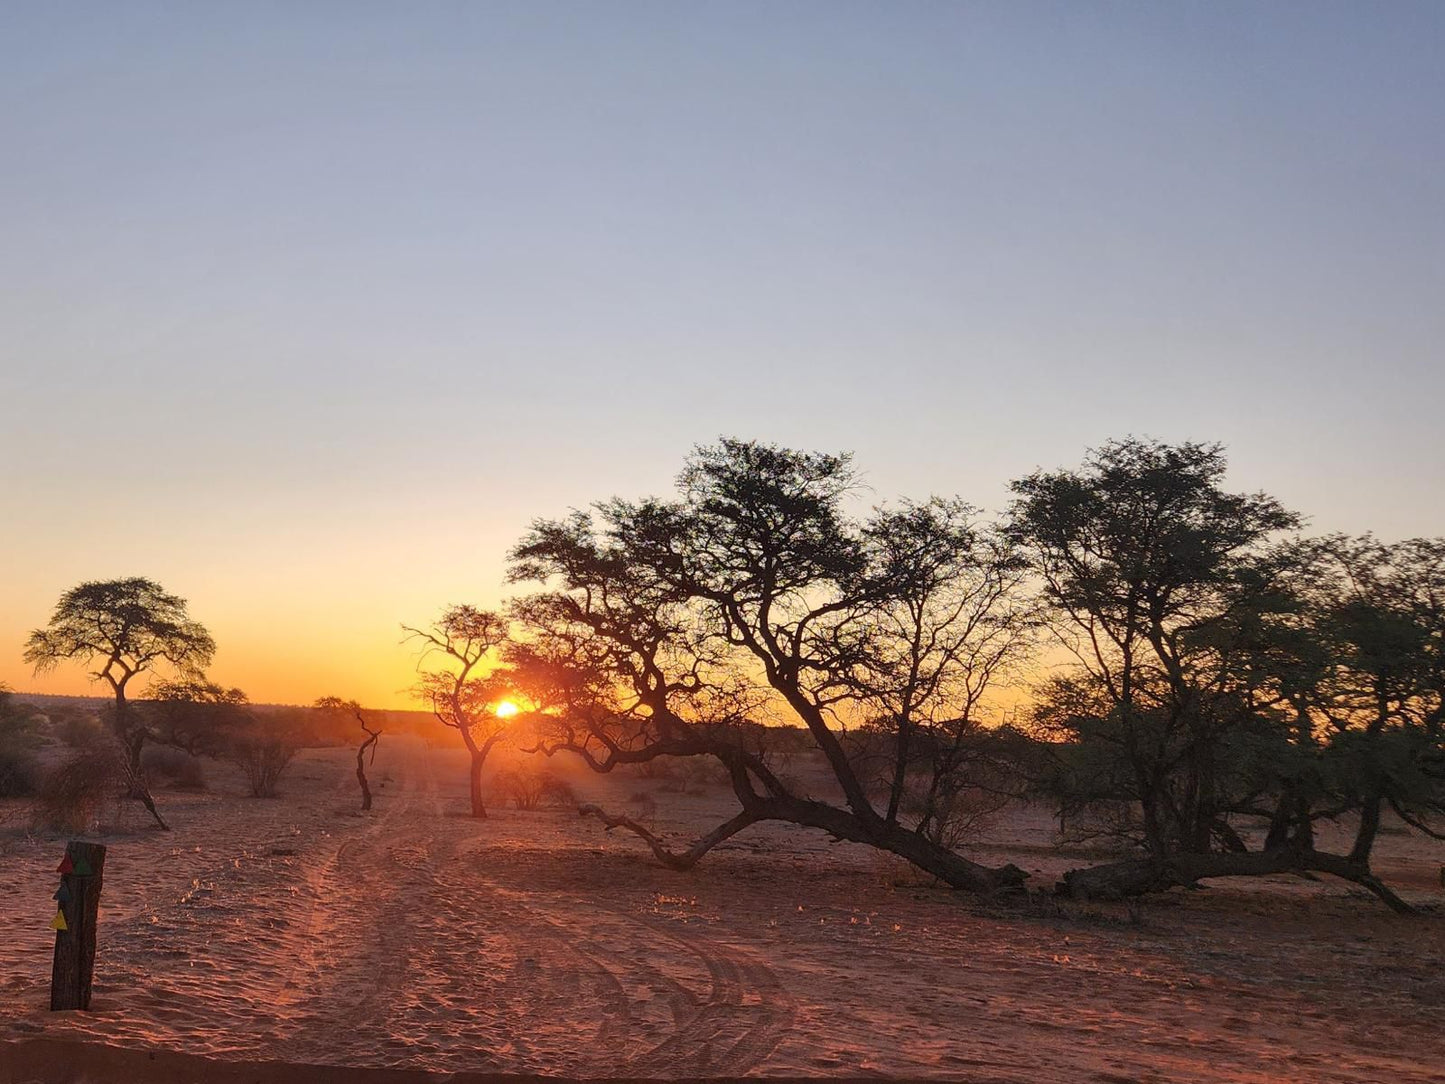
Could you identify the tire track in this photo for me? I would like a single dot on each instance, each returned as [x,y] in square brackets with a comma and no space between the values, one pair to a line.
[745,1016]
[727,1031]
[416,953]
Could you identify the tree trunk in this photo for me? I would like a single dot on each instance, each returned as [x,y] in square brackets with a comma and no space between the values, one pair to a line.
[1137,877]
[134,743]
[144,794]
[953,869]
[369,743]
[479,809]
[1280,823]
[361,778]
[1369,828]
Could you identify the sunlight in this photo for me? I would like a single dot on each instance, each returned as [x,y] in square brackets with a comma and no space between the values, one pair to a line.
[506,709]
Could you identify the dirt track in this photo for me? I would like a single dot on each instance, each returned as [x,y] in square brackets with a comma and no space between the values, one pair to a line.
[411,937]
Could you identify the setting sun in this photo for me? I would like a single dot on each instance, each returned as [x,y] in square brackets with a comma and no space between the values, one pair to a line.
[506,709]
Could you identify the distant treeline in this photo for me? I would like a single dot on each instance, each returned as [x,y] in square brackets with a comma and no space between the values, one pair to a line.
[321,727]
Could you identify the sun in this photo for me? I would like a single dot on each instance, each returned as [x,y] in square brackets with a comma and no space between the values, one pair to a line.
[506,709]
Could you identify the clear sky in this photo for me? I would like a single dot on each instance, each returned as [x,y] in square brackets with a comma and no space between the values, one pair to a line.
[307,309]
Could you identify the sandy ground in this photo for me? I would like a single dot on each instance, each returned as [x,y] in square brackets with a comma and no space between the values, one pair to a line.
[297,931]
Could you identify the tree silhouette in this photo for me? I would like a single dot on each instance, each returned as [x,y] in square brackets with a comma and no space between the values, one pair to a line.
[1205,666]
[124,628]
[675,627]
[1380,700]
[372,741]
[463,639]
[1142,555]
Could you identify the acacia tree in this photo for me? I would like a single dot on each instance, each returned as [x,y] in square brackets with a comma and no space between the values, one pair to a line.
[674,627]
[1142,555]
[463,639]
[1379,704]
[1198,671]
[197,716]
[372,740]
[124,628]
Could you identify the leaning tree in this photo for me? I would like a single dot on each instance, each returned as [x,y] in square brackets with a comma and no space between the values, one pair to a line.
[124,628]
[462,690]
[675,627]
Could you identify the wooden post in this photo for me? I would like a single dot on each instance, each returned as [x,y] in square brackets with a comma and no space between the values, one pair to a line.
[79,906]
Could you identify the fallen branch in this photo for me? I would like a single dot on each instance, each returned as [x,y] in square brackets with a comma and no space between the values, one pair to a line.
[673,859]
[1138,877]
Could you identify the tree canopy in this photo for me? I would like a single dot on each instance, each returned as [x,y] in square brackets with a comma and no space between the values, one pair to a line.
[123,628]
[673,627]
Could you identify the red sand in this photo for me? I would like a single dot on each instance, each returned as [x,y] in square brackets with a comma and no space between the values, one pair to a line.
[294,931]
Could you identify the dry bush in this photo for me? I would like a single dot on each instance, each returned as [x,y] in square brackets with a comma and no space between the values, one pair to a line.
[645,804]
[689,774]
[19,742]
[962,816]
[176,767]
[656,768]
[527,788]
[262,751]
[73,794]
[522,787]
[558,791]
[794,784]
[1110,828]
[78,728]
[19,773]
[19,766]
[718,773]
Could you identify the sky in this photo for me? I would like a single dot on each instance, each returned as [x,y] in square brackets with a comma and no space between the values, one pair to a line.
[308,310]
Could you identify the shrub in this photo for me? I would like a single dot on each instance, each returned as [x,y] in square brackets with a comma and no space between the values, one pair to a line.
[558,791]
[656,768]
[262,751]
[176,767]
[19,740]
[19,768]
[522,787]
[689,774]
[77,727]
[19,772]
[71,796]
[646,804]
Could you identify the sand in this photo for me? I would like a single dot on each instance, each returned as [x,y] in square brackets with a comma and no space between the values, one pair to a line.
[296,932]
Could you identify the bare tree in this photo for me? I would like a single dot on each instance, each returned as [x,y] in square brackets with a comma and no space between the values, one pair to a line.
[464,639]
[372,741]
[674,627]
[124,628]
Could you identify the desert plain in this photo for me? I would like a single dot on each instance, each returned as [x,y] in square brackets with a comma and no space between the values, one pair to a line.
[274,936]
